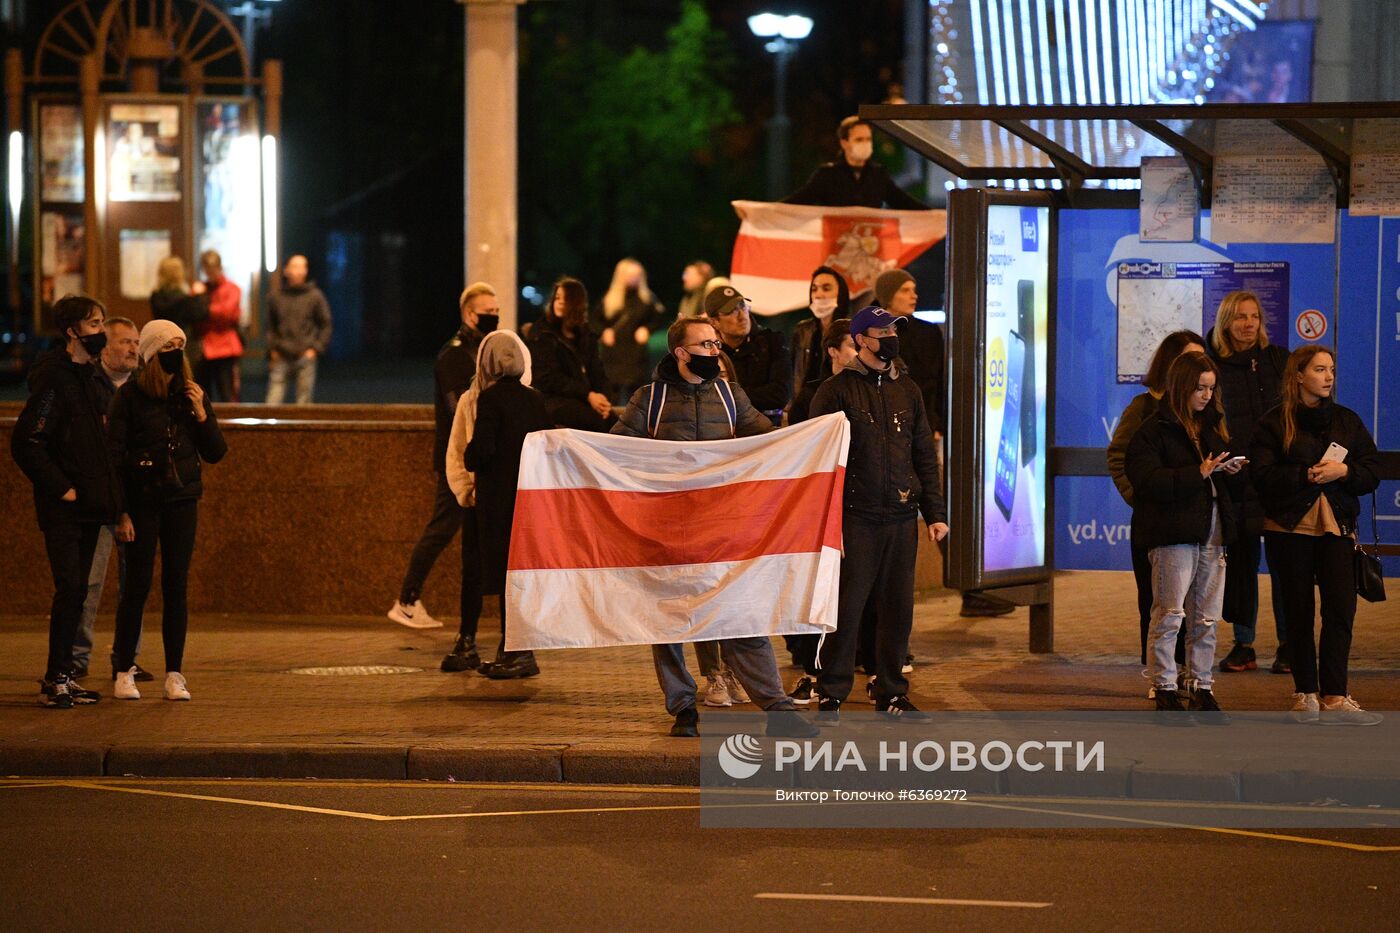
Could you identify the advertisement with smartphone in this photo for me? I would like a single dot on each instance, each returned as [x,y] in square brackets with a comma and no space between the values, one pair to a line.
[1014,417]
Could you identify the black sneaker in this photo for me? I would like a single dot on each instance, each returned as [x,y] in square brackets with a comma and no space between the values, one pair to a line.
[1204,709]
[1169,701]
[980,605]
[870,689]
[804,692]
[462,657]
[80,694]
[53,694]
[786,723]
[1281,663]
[687,725]
[828,711]
[899,709]
[1240,658]
[142,674]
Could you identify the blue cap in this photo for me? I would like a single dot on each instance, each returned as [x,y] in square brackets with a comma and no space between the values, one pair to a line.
[873,316]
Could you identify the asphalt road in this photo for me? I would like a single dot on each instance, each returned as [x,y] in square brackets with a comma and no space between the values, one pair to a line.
[272,855]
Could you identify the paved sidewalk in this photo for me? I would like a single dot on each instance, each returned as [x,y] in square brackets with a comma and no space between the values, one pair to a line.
[591,716]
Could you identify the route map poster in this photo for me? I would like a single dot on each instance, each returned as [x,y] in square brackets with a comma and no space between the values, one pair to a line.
[1156,298]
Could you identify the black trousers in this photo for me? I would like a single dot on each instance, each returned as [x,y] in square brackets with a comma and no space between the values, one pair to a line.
[447,519]
[804,647]
[70,546]
[171,525]
[1296,563]
[879,564]
[1142,576]
[215,377]
[1241,606]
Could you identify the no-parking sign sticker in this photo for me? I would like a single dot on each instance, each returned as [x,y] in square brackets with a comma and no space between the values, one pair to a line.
[1312,325]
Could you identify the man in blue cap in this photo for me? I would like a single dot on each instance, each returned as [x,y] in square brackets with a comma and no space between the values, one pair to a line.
[891,476]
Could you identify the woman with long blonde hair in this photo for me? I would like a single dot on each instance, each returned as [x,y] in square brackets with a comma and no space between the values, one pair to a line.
[1251,371]
[175,299]
[1311,461]
[625,318]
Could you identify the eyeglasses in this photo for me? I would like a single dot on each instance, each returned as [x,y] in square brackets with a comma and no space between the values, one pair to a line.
[741,306]
[705,345]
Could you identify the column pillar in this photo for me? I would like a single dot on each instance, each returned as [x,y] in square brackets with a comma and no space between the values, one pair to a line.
[491,216]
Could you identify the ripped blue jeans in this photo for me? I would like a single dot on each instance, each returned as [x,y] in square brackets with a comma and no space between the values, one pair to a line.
[1188,588]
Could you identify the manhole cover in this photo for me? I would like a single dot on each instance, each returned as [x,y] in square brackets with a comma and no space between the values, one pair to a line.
[354,670]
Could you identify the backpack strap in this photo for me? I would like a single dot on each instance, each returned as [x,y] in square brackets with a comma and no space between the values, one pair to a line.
[726,395]
[655,403]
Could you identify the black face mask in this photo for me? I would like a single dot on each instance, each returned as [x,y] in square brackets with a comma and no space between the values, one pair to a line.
[93,344]
[486,323]
[170,361]
[889,348]
[706,367]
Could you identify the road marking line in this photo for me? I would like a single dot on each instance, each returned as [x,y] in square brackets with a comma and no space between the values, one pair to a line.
[534,787]
[875,899]
[1256,834]
[208,798]
[6,785]
[448,816]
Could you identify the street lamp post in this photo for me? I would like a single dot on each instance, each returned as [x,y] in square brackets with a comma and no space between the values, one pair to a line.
[783,33]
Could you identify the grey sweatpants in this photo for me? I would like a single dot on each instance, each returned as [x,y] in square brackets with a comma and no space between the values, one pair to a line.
[751,660]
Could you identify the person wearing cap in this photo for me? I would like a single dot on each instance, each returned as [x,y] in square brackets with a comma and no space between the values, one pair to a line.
[58,442]
[697,405]
[160,429]
[891,477]
[760,358]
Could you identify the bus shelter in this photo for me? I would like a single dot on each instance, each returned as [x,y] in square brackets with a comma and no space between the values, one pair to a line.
[1080,236]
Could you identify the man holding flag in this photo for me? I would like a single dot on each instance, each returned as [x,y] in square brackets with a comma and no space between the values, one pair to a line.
[689,401]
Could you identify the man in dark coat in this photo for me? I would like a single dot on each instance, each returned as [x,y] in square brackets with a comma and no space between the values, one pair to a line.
[299,331]
[60,443]
[761,361]
[695,409]
[854,179]
[891,477]
[452,375]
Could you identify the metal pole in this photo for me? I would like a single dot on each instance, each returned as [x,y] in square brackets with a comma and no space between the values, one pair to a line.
[779,127]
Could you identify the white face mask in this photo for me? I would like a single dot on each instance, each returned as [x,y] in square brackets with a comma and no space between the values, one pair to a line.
[823,307]
[861,151]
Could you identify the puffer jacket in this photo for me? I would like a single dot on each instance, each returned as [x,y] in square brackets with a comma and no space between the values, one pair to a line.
[892,466]
[1171,500]
[157,446]
[1250,383]
[60,444]
[691,412]
[1281,476]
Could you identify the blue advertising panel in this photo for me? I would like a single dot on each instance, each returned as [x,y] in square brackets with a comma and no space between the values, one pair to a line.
[1091,520]
[1016,333]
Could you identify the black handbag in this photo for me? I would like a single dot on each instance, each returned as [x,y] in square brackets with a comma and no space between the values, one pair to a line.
[1370,584]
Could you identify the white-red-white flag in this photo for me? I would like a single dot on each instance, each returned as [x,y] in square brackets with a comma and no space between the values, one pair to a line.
[633,541]
[779,245]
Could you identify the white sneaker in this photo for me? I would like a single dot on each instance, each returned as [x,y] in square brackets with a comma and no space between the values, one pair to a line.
[736,691]
[1344,711]
[126,686]
[175,688]
[1305,707]
[717,691]
[414,616]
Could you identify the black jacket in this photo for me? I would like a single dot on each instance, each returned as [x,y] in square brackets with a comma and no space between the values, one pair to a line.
[921,349]
[452,376]
[157,447]
[564,368]
[838,184]
[626,360]
[1141,408]
[1281,477]
[1171,500]
[505,413]
[691,412]
[60,443]
[761,364]
[892,467]
[182,309]
[1250,384]
[298,319]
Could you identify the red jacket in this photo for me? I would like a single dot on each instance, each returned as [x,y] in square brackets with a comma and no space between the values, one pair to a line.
[219,335]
